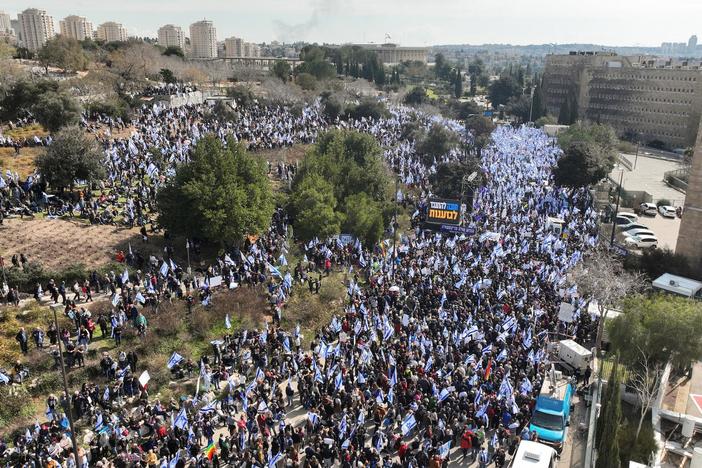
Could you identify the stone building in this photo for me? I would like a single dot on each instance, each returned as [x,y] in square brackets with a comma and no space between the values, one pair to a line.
[690,236]
[643,98]
[36,27]
[203,39]
[170,35]
[111,32]
[393,54]
[76,27]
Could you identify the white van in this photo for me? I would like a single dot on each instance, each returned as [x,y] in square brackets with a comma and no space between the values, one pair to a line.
[534,455]
[555,225]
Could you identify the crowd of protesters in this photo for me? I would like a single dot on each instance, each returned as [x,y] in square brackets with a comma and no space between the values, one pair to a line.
[436,357]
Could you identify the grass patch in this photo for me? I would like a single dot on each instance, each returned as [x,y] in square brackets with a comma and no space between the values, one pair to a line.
[22,164]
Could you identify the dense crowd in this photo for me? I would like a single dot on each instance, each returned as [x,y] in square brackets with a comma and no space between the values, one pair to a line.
[437,356]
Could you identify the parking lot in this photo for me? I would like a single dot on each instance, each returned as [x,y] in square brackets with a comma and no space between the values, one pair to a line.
[666,229]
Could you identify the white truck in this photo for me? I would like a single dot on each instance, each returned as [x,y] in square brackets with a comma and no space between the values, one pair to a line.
[534,455]
[574,355]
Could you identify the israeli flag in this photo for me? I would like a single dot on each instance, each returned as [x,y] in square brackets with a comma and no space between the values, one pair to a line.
[343,426]
[494,442]
[388,331]
[140,298]
[361,417]
[443,395]
[259,374]
[502,356]
[282,260]
[286,344]
[444,450]
[98,422]
[408,424]
[391,396]
[338,381]
[4,379]
[227,322]
[346,444]
[174,462]
[393,377]
[274,271]
[181,421]
[482,411]
[106,395]
[164,269]
[275,460]
[526,386]
[527,339]
[125,277]
[429,363]
[487,349]
[209,408]
[314,418]
[49,414]
[115,299]
[262,406]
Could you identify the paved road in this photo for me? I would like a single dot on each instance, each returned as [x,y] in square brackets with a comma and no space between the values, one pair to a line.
[573,454]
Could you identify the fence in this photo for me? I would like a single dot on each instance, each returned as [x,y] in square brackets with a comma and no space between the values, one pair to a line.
[677,179]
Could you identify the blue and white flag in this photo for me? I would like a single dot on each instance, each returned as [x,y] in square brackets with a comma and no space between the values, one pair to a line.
[408,424]
[164,269]
[209,408]
[274,271]
[140,298]
[4,379]
[174,359]
[227,322]
[525,386]
[181,421]
[444,394]
[343,426]
[388,331]
[125,277]
[487,349]
[338,381]
[98,422]
[502,356]
[527,339]
[314,418]
[115,299]
[429,363]
[393,377]
[444,450]
[361,417]
[49,414]
[275,460]
[106,395]
[286,344]
[173,463]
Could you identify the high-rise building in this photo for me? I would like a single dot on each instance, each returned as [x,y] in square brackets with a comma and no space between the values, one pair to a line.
[692,43]
[15,25]
[171,36]
[111,32]
[76,27]
[36,27]
[643,98]
[690,236]
[203,39]
[5,23]
[233,47]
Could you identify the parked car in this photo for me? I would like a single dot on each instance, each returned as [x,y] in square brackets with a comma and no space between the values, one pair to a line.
[642,242]
[626,214]
[649,209]
[667,211]
[630,226]
[638,232]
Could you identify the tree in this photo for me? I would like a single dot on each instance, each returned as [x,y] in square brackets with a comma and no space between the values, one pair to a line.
[502,90]
[281,69]
[315,64]
[608,423]
[221,194]
[342,165]
[71,156]
[368,108]
[416,96]
[364,218]
[601,277]
[603,136]
[437,142]
[55,110]
[20,98]
[447,181]
[63,52]
[242,95]
[645,378]
[167,76]
[481,128]
[583,164]
[654,262]
[174,51]
[538,108]
[520,107]
[306,81]
[667,328]
[313,207]
[457,84]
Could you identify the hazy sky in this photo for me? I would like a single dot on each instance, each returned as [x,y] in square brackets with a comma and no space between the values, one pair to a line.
[409,22]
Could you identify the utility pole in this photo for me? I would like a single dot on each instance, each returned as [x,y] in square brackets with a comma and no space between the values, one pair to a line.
[636,159]
[69,411]
[531,106]
[616,210]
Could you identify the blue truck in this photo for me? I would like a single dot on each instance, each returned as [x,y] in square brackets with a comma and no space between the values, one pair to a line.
[552,410]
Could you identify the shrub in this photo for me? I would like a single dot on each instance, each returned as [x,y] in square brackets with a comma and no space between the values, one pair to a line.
[632,449]
[306,81]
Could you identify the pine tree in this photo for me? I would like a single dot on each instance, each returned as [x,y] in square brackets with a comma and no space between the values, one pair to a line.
[564,113]
[608,424]
[458,84]
[537,109]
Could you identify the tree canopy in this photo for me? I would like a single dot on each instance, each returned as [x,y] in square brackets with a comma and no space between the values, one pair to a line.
[342,182]
[590,154]
[63,52]
[481,128]
[664,327]
[437,142]
[221,194]
[71,156]
[502,89]
[281,70]
[447,181]
[55,110]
